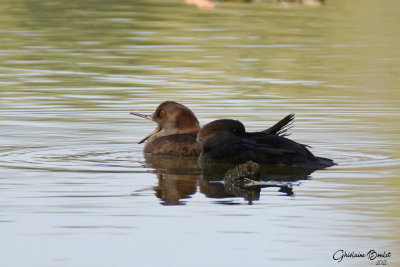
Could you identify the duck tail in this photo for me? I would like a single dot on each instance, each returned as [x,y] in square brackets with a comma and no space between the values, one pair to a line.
[318,163]
[325,162]
[281,127]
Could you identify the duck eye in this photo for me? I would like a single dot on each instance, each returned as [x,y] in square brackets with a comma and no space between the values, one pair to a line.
[162,112]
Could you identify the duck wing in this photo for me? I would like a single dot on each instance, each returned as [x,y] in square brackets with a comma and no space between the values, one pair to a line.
[280,142]
[242,150]
[300,154]
[265,148]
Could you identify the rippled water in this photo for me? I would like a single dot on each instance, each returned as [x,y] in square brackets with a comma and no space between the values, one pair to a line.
[76,189]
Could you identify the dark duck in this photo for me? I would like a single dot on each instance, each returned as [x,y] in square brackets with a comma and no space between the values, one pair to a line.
[227,141]
[177,129]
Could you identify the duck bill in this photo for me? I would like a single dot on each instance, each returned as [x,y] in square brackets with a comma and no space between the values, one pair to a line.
[150,135]
[147,117]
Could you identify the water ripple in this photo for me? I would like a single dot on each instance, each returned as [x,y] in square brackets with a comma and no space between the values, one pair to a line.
[72,159]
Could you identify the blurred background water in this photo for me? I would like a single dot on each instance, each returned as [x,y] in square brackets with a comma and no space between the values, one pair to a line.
[76,189]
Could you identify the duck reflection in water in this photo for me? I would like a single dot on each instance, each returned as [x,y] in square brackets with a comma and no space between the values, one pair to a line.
[246,180]
[173,189]
[180,178]
[177,177]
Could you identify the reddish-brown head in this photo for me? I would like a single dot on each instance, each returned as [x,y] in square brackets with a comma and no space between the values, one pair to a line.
[172,118]
[171,115]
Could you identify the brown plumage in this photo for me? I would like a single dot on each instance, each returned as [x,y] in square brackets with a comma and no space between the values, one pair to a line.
[176,131]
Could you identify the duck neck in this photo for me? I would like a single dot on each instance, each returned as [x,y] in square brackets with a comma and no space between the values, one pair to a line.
[187,123]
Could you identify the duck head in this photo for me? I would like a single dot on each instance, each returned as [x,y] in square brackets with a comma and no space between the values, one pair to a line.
[218,132]
[171,118]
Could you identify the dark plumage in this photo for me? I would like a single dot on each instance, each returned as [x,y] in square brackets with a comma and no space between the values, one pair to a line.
[227,141]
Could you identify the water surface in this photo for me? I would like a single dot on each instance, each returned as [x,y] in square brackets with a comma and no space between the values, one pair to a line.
[76,189]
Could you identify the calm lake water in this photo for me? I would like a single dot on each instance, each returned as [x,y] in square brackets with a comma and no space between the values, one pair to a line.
[76,189]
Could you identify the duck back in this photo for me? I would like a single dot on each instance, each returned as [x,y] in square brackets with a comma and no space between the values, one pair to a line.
[264,148]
